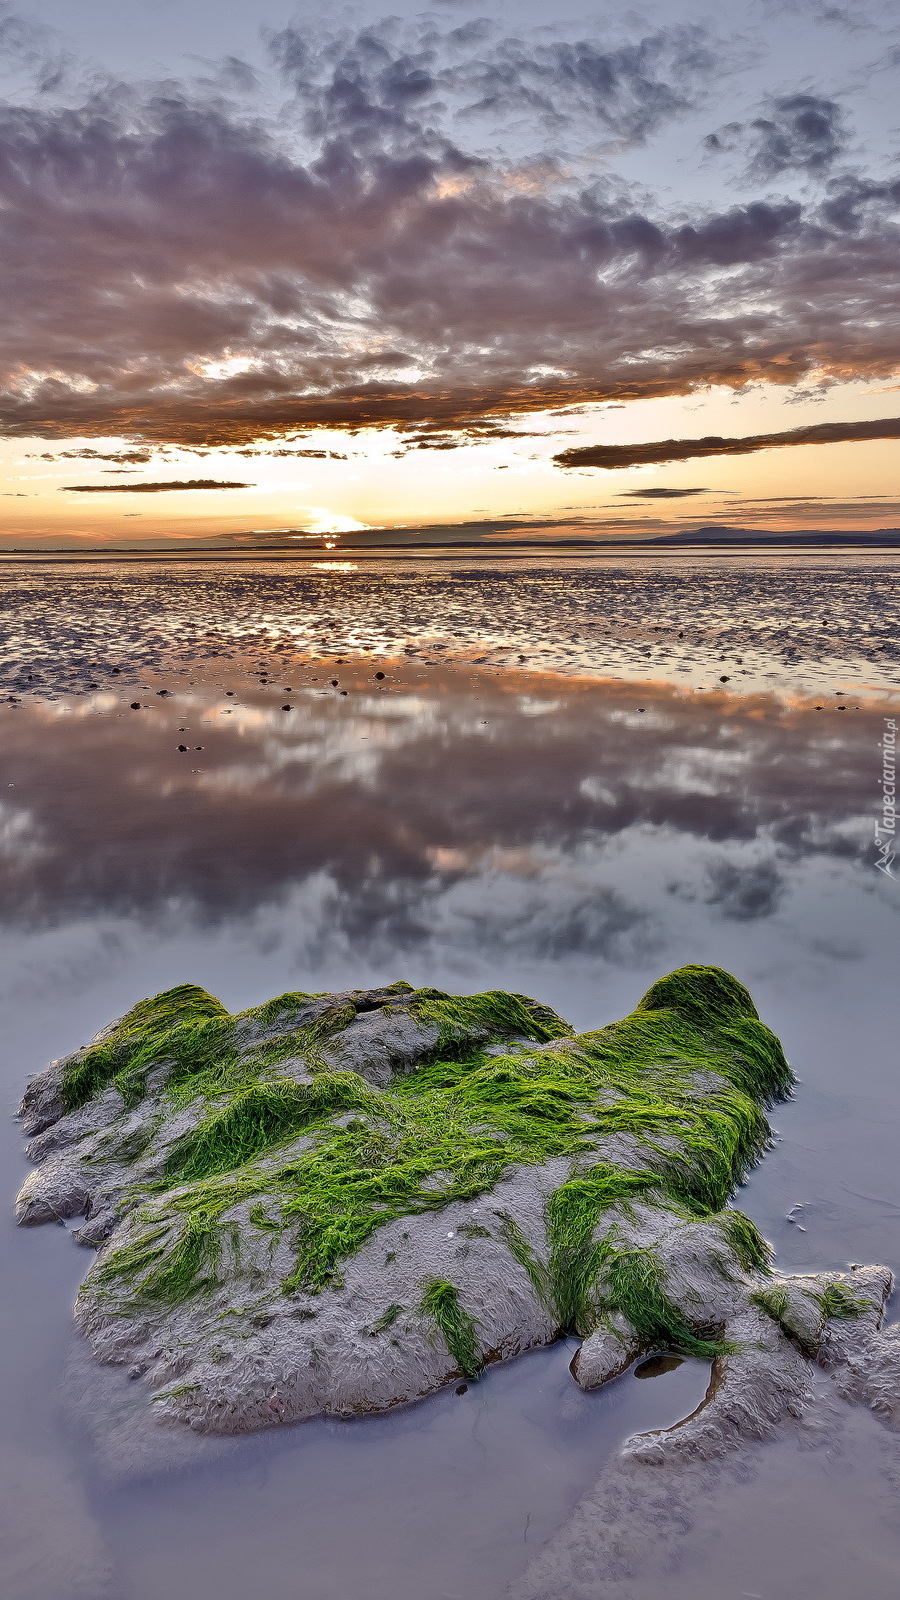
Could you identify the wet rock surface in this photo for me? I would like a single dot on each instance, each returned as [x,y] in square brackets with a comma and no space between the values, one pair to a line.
[333,1204]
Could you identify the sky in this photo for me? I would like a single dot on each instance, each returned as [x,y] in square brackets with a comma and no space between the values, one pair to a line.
[277,274]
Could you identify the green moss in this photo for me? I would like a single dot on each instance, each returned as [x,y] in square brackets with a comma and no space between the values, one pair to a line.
[440,1303]
[451,1128]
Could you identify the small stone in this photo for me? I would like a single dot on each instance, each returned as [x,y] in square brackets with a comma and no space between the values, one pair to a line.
[334,683]
[286,708]
[724,678]
[135,705]
[462,1388]
[182,747]
[379,676]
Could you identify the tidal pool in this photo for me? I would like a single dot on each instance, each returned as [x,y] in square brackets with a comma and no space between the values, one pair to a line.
[469,825]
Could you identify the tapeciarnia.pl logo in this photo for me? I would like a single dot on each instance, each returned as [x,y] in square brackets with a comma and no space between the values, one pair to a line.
[886,829]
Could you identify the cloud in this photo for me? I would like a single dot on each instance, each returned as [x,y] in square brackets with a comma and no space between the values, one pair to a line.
[149,488]
[660,494]
[314,455]
[130,458]
[803,132]
[180,267]
[744,893]
[413,78]
[611,456]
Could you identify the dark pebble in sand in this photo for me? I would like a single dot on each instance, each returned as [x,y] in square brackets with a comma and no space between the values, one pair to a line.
[334,683]
[135,705]
[724,678]
[181,747]
[162,691]
[343,691]
[198,747]
[285,708]
[379,676]
[462,1388]
[93,685]
[642,709]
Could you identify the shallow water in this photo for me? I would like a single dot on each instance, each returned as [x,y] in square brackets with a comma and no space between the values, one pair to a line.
[571,833]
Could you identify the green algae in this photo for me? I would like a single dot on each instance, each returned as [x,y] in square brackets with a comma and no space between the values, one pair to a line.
[388,1317]
[565,1282]
[257,1117]
[184,1025]
[463,1018]
[635,1282]
[834,1302]
[440,1302]
[774,1299]
[447,1130]
[746,1242]
[839,1302]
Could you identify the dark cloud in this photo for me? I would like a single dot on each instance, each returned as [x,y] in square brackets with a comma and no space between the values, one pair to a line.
[631,455]
[150,488]
[315,455]
[660,494]
[803,132]
[414,78]
[744,893]
[176,268]
[130,458]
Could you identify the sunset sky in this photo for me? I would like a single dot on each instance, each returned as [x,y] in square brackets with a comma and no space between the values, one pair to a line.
[398,271]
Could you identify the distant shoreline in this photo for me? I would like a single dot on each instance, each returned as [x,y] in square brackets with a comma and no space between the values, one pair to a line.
[887,539]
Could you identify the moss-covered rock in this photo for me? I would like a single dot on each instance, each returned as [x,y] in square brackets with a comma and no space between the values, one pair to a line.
[339,1202]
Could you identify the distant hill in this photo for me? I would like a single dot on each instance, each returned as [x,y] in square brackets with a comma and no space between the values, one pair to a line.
[720,535]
